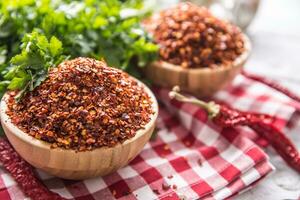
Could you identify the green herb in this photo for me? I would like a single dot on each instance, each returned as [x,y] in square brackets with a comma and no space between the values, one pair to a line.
[108,29]
[32,33]
[29,68]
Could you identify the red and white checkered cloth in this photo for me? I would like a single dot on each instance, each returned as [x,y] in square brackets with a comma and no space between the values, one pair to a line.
[231,161]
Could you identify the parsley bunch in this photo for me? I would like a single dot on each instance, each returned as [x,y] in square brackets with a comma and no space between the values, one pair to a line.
[29,68]
[109,29]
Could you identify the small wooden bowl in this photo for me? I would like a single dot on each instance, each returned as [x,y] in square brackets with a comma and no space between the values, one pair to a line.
[69,164]
[201,82]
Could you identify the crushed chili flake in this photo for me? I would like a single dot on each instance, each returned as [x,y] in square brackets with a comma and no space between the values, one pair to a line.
[170,176]
[174,187]
[200,161]
[156,191]
[125,193]
[190,36]
[82,105]
[165,186]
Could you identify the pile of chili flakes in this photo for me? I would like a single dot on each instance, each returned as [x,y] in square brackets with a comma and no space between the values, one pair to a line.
[82,105]
[190,36]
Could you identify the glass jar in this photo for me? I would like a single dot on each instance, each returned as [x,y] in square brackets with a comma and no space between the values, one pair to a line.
[240,12]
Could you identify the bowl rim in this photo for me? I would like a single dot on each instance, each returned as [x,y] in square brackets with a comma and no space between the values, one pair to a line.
[237,62]
[6,121]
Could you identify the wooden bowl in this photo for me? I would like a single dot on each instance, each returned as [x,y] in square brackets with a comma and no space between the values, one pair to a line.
[201,82]
[69,164]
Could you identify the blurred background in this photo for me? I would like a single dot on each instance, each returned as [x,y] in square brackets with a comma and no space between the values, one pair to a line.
[275,35]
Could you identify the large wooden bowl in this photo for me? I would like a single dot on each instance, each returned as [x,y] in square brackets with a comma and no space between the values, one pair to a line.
[76,165]
[201,82]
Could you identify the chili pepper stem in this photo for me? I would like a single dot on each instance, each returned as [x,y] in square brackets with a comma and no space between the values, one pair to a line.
[227,117]
[211,107]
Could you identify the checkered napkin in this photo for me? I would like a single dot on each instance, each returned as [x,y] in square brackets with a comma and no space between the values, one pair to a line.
[189,154]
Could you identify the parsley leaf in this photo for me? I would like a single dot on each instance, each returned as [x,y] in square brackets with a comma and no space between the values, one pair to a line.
[109,29]
[28,69]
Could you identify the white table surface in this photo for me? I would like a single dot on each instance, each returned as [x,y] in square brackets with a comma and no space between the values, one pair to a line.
[275,36]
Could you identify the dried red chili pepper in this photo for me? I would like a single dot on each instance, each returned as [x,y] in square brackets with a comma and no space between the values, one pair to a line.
[273,85]
[224,116]
[229,117]
[261,124]
[283,145]
[24,175]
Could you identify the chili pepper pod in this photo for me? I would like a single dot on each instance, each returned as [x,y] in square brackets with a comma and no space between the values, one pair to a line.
[282,145]
[229,117]
[224,116]
[23,174]
[272,84]
[262,125]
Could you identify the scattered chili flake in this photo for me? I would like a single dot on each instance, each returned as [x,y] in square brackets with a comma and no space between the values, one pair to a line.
[156,191]
[170,176]
[192,37]
[114,192]
[200,161]
[174,187]
[82,105]
[165,186]
[182,197]
[125,193]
